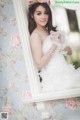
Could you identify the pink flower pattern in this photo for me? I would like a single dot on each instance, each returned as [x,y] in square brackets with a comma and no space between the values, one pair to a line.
[72,103]
[1,29]
[11,84]
[15,41]
[26,95]
[13,21]
[7,109]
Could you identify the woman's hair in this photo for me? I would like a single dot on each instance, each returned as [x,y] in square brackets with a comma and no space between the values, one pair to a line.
[32,23]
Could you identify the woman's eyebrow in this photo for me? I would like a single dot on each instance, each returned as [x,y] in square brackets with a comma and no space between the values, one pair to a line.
[41,11]
[38,11]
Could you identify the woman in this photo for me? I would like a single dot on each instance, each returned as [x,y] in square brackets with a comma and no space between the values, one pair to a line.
[48,48]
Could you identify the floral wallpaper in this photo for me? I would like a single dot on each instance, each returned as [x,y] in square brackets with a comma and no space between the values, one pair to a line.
[14,80]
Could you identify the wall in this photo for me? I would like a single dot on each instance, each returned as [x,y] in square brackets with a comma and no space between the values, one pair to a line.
[14,80]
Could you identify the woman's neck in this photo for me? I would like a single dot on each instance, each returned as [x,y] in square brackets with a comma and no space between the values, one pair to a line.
[41,29]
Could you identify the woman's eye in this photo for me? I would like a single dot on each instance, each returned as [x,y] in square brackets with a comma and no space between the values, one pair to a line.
[46,12]
[38,13]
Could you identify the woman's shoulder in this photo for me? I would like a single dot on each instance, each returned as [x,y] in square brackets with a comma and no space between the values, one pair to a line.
[35,37]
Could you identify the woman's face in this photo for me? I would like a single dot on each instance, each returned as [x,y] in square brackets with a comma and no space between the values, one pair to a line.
[40,16]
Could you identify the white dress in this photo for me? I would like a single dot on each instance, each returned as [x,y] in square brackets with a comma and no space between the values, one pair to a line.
[58,74]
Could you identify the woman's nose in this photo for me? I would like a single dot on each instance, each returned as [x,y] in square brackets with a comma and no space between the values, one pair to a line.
[43,16]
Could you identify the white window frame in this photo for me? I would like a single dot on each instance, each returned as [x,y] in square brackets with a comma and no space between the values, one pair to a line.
[21,17]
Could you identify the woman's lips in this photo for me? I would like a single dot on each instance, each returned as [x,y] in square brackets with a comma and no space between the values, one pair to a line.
[43,21]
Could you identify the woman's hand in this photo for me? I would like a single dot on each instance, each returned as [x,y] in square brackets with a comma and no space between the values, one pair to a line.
[52,49]
[68,50]
[54,35]
[57,36]
[61,38]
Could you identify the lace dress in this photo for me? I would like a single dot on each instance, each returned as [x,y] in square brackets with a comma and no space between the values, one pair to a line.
[58,74]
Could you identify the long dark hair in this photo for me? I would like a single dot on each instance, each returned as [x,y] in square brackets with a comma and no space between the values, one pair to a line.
[31,22]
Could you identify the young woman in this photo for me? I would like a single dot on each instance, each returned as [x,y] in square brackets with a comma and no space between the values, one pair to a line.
[48,48]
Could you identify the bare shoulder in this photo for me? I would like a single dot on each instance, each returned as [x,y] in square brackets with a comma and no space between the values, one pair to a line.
[35,37]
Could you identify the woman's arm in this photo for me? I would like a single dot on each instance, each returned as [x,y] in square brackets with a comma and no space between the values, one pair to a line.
[41,59]
[68,49]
